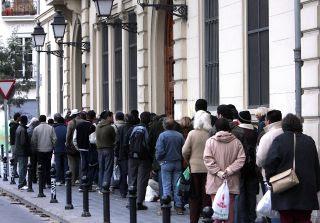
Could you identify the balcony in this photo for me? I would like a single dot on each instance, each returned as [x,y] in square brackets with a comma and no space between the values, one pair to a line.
[19,10]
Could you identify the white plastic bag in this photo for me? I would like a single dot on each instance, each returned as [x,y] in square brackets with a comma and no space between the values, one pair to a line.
[220,204]
[150,194]
[264,207]
[92,138]
[116,173]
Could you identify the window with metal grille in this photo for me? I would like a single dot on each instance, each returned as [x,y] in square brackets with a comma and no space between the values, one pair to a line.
[258,52]
[49,79]
[132,65]
[211,51]
[23,63]
[105,68]
[118,66]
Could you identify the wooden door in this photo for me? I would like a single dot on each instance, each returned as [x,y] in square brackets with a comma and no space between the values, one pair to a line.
[169,66]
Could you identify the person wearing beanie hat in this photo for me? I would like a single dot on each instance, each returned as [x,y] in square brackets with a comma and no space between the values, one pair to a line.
[249,183]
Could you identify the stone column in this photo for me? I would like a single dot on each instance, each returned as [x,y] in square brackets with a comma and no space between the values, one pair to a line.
[66,73]
[142,63]
[180,66]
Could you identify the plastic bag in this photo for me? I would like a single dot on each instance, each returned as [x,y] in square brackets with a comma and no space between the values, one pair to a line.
[116,173]
[220,204]
[183,183]
[92,138]
[264,207]
[151,194]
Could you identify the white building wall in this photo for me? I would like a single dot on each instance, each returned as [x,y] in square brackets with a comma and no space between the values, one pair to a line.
[281,56]
[231,52]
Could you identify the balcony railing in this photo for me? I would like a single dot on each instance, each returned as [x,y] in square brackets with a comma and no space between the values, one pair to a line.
[19,7]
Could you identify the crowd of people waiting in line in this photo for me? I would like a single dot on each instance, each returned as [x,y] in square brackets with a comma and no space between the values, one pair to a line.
[227,146]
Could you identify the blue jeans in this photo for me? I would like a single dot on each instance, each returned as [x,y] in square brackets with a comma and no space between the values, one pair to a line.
[106,158]
[170,173]
[23,162]
[61,162]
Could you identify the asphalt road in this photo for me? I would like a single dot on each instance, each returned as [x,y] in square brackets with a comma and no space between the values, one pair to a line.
[15,212]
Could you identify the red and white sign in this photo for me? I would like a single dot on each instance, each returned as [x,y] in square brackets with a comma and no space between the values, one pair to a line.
[6,87]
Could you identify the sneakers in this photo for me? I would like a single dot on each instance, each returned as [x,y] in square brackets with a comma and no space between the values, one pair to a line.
[141,206]
[179,211]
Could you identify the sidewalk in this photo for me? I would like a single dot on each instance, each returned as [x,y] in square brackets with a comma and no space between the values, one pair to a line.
[119,213]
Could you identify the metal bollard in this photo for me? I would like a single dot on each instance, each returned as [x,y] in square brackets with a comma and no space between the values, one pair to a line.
[5,169]
[133,204]
[53,185]
[69,205]
[12,180]
[166,209]
[40,174]
[106,203]
[29,167]
[85,188]
[207,213]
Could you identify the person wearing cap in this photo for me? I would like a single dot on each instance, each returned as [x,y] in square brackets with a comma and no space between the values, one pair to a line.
[34,122]
[72,153]
[22,149]
[249,183]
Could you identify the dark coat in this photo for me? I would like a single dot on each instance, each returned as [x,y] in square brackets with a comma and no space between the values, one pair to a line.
[22,141]
[13,127]
[280,158]
[61,132]
[122,142]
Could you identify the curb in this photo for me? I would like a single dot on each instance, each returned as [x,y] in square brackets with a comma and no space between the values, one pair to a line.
[51,215]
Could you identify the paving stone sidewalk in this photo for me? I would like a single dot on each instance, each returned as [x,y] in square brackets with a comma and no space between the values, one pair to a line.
[119,213]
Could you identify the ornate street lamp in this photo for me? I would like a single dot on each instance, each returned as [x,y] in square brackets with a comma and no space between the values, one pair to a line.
[104,8]
[59,26]
[38,36]
[179,10]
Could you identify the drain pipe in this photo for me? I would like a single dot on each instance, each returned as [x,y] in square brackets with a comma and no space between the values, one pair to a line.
[297,56]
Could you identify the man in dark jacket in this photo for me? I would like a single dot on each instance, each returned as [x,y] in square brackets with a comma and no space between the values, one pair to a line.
[60,155]
[22,150]
[105,139]
[13,127]
[140,164]
[82,143]
[121,152]
[249,184]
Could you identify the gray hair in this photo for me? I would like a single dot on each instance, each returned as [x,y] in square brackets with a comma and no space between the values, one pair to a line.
[202,120]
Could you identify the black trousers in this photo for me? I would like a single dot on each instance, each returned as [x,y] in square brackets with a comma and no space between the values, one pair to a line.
[249,188]
[123,184]
[34,165]
[138,175]
[44,159]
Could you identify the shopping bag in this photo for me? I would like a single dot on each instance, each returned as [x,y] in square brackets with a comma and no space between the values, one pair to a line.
[116,174]
[220,204]
[184,181]
[264,206]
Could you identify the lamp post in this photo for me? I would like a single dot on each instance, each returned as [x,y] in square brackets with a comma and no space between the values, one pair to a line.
[104,8]
[59,26]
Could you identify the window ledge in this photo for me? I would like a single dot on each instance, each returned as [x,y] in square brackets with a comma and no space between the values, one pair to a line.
[18,18]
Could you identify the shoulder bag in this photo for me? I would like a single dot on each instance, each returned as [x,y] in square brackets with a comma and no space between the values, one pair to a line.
[287,179]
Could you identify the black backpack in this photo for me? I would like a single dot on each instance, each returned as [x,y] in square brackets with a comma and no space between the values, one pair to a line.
[138,147]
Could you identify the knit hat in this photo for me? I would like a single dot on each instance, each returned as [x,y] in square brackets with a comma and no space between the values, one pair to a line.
[245,117]
[119,115]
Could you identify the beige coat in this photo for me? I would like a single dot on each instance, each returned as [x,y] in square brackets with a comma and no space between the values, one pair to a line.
[223,151]
[192,150]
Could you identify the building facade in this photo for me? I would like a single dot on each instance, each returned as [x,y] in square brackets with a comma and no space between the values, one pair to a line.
[18,18]
[228,51]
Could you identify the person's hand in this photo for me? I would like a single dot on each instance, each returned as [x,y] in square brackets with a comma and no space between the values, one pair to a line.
[221,175]
[227,173]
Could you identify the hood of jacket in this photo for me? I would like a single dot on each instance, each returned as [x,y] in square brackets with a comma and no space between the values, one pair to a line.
[275,125]
[103,123]
[224,137]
